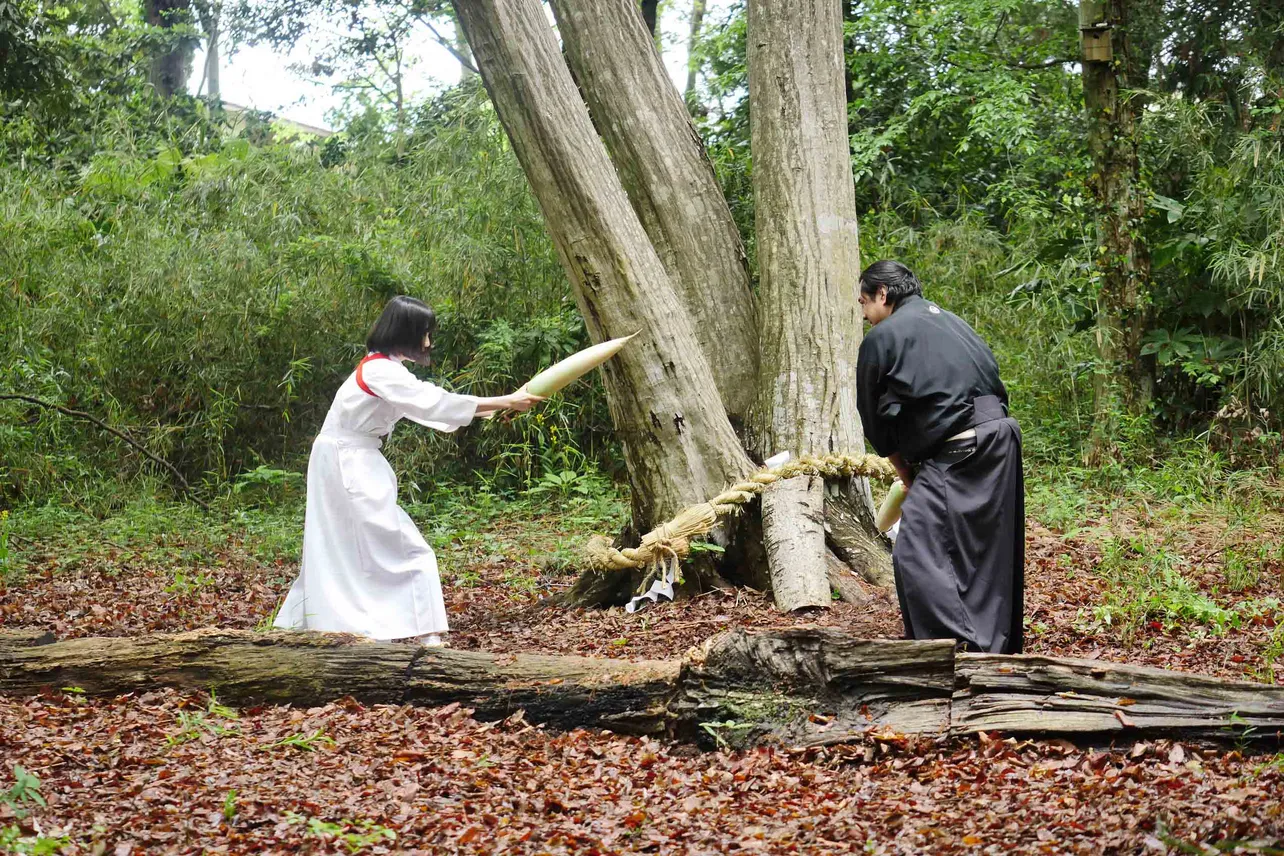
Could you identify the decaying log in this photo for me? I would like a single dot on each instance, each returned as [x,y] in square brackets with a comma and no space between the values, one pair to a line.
[25,637]
[1044,694]
[801,687]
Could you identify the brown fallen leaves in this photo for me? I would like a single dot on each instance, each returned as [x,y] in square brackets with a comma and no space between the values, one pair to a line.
[119,592]
[168,773]
[128,776]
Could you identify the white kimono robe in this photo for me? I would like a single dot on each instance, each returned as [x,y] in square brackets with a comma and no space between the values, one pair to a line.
[366,569]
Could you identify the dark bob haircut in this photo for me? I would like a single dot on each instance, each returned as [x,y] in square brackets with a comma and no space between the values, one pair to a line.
[401,328]
[899,281]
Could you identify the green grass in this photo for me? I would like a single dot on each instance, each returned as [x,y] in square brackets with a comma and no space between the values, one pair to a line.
[532,533]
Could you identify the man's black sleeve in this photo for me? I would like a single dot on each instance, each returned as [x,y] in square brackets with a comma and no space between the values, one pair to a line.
[871,387]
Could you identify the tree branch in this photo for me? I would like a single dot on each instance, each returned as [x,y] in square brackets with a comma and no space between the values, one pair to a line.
[441,40]
[79,414]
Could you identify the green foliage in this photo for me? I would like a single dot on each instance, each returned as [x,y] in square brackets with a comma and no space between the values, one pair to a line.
[353,835]
[23,793]
[8,566]
[13,841]
[967,132]
[1148,586]
[304,742]
[211,301]
[193,725]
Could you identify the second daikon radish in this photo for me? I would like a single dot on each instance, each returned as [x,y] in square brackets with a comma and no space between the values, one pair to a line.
[567,371]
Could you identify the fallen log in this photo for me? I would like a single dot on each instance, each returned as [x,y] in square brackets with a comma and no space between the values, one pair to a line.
[801,687]
[1044,694]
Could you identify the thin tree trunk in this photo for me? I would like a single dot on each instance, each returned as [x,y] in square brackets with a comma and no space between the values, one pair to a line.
[1122,386]
[678,443]
[693,42]
[669,180]
[808,255]
[849,81]
[211,13]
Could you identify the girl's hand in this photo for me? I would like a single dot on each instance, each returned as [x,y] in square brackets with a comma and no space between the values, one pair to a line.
[521,401]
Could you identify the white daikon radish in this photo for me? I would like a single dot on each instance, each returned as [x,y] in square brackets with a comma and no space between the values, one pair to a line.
[890,511]
[571,369]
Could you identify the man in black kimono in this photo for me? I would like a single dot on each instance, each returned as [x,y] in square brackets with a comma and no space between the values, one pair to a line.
[930,400]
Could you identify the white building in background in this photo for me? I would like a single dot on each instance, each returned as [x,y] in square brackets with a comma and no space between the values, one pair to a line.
[281,123]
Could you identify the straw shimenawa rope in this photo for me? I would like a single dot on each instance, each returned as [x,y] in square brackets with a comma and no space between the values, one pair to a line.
[671,541]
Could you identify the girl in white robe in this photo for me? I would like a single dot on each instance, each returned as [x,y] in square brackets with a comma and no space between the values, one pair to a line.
[366,569]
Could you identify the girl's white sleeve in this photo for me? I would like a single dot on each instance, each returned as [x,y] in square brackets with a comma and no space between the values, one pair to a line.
[417,400]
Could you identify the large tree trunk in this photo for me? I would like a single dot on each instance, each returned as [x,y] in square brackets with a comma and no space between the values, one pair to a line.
[173,65]
[1122,386]
[679,445]
[809,263]
[668,177]
[801,687]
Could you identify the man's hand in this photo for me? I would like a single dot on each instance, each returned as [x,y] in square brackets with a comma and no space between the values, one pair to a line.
[902,469]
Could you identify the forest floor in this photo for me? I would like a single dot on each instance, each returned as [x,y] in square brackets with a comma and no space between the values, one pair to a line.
[1182,586]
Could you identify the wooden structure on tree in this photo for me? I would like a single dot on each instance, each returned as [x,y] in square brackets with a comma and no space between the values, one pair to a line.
[800,687]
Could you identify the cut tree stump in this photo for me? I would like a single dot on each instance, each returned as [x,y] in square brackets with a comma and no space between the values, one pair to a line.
[801,687]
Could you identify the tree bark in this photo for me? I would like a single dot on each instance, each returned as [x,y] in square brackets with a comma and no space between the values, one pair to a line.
[679,445]
[172,66]
[808,255]
[670,182]
[793,526]
[799,687]
[1057,696]
[852,536]
[1122,382]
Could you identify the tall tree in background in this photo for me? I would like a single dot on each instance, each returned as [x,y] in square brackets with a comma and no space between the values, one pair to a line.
[693,53]
[211,14]
[172,62]
[632,267]
[1115,68]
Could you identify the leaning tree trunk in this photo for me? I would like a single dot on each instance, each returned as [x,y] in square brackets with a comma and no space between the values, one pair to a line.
[1122,384]
[809,267]
[800,687]
[679,445]
[670,182]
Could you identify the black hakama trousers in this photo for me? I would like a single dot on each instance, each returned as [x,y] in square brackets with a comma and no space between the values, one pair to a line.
[960,553]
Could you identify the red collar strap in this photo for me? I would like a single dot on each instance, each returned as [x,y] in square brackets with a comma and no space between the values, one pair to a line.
[361,365]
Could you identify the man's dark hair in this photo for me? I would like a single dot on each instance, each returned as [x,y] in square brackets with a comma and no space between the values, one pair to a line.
[401,328]
[899,281]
